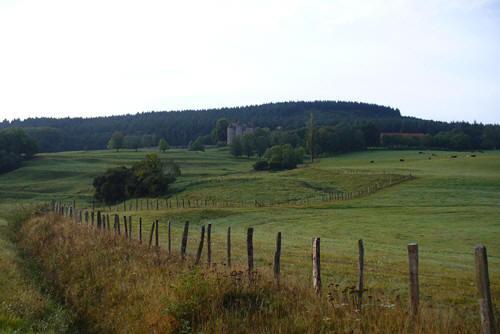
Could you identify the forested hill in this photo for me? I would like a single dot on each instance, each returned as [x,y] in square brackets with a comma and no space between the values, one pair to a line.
[181,127]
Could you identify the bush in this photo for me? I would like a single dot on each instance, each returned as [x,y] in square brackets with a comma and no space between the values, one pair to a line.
[261,165]
[281,157]
[114,186]
[145,178]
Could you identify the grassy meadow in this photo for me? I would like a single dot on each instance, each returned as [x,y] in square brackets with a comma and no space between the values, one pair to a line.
[450,206]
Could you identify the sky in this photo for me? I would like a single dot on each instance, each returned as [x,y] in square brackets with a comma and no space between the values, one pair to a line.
[431,59]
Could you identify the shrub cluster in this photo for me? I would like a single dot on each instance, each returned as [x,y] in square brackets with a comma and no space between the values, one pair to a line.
[280,157]
[149,177]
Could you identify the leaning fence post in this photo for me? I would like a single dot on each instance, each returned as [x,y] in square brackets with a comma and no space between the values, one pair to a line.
[157,244]
[125,226]
[413,271]
[250,251]
[151,234]
[140,230]
[277,259]
[229,246]
[200,245]
[361,273]
[184,240]
[316,265]
[169,237]
[483,289]
[209,245]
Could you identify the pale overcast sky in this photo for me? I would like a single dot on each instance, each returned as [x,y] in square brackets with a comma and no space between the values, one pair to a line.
[431,59]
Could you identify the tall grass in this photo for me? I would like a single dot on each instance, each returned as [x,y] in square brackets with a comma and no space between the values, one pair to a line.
[119,286]
[25,304]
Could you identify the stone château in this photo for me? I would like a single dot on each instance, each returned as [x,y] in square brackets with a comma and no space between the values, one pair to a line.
[236,129]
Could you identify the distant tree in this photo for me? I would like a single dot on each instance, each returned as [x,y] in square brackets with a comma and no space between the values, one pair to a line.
[236,147]
[197,145]
[311,136]
[371,134]
[15,146]
[16,141]
[248,144]
[163,145]
[150,179]
[132,142]
[262,141]
[116,141]
[219,133]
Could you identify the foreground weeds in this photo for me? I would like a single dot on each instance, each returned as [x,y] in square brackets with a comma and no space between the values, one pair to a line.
[120,286]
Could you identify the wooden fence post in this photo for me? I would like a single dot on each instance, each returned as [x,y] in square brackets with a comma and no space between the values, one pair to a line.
[129,227]
[107,221]
[316,265]
[169,246]
[125,226]
[116,224]
[209,245]
[229,247]
[277,259]
[483,290]
[140,230]
[413,271]
[184,240]
[250,251]
[200,245]
[157,227]
[361,272]
[86,215]
[99,219]
[151,234]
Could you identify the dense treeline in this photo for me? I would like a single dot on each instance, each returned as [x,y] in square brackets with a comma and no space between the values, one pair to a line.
[15,146]
[342,127]
[348,137]
[179,128]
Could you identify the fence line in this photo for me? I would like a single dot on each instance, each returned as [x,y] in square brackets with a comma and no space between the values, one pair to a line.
[481,270]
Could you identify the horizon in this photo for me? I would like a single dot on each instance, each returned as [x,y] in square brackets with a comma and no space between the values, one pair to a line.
[431,60]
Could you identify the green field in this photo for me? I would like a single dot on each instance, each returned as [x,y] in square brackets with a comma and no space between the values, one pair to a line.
[450,206]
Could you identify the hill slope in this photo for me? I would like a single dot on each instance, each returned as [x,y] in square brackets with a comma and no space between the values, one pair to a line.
[180,127]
